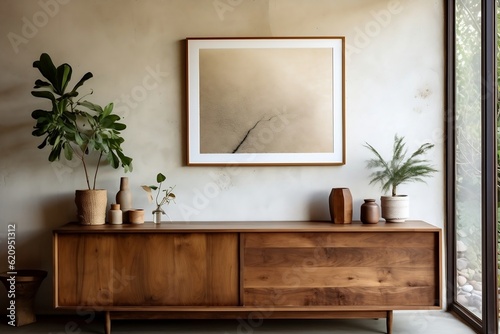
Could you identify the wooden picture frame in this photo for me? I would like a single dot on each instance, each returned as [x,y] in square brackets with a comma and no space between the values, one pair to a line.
[266,101]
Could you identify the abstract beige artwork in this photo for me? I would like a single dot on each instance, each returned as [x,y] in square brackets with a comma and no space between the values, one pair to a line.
[259,102]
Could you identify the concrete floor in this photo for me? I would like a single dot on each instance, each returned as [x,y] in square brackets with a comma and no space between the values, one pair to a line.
[407,322]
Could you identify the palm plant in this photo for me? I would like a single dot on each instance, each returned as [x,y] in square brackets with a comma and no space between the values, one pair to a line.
[399,170]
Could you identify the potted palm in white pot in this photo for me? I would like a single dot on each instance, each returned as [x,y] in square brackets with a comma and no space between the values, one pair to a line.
[398,170]
[76,128]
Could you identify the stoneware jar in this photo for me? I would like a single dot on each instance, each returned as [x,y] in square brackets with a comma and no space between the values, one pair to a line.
[370,212]
[115,215]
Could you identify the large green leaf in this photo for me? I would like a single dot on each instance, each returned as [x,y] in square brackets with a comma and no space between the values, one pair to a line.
[40,114]
[107,122]
[69,95]
[46,68]
[68,151]
[55,153]
[44,94]
[87,76]
[63,75]
[42,145]
[107,110]
[38,133]
[69,115]
[160,178]
[78,139]
[119,126]
[40,83]
[113,159]
[126,161]
[91,106]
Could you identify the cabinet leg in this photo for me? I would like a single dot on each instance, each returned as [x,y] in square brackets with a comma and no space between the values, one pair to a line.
[389,322]
[107,323]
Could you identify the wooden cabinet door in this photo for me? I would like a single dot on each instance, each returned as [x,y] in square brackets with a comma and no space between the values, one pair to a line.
[147,269]
[393,270]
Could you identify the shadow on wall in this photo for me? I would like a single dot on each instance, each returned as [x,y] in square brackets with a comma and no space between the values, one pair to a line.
[58,209]
[318,208]
[16,140]
[34,249]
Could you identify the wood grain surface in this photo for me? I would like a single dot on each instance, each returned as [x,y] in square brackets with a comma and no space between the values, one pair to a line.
[307,268]
[148,269]
[391,269]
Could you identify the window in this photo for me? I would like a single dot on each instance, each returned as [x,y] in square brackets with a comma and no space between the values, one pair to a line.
[471,163]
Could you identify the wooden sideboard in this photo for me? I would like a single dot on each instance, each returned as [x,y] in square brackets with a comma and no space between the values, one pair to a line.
[248,270]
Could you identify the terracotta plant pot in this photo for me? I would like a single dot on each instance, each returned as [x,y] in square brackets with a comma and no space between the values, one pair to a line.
[91,206]
[395,209]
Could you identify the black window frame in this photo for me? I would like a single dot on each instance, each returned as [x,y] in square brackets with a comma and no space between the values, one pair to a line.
[489,321]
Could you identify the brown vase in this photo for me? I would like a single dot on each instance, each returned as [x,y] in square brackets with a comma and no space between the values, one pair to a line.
[340,201]
[370,212]
[91,206]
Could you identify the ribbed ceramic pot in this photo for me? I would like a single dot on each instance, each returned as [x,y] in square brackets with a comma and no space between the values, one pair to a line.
[91,206]
[395,209]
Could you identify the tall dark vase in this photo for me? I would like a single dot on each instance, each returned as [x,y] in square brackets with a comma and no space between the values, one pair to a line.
[340,201]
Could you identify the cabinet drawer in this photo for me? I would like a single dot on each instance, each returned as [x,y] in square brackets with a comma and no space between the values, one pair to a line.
[383,269]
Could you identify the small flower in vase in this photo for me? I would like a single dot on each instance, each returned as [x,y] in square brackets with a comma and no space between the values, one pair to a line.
[160,199]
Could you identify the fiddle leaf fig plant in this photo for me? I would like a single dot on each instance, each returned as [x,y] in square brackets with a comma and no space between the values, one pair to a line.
[399,169]
[72,127]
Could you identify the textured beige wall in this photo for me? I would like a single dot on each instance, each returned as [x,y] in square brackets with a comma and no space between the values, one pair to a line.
[394,83]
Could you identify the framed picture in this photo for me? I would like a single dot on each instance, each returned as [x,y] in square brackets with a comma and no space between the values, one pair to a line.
[266,101]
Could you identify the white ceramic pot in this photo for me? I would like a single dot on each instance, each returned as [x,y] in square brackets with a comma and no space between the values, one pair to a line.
[395,209]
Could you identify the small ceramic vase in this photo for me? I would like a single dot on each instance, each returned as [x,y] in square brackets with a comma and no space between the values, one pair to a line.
[157,215]
[115,215]
[370,212]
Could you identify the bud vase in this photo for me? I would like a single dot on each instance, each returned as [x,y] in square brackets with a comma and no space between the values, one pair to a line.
[157,215]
